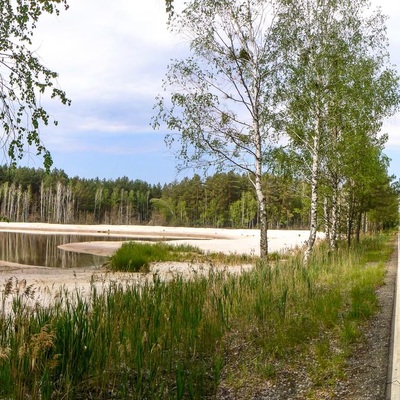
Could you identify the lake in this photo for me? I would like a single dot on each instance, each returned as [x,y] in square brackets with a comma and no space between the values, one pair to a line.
[40,249]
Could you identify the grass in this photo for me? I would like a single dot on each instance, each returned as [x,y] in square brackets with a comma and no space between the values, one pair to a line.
[137,256]
[184,340]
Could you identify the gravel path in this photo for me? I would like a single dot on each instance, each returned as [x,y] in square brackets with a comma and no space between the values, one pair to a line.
[368,368]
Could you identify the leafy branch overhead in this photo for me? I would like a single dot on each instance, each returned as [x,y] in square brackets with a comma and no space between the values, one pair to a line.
[169,7]
[23,78]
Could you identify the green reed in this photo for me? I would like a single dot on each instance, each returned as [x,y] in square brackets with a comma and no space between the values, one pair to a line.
[184,339]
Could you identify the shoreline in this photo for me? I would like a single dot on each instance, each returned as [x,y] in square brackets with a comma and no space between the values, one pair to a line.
[48,281]
[227,241]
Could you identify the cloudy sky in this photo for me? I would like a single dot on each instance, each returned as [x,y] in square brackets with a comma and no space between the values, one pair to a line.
[111,57]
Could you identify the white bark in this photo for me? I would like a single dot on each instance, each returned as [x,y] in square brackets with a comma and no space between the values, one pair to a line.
[314,199]
[58,206]
[263,217]
[326,217]
[334,218]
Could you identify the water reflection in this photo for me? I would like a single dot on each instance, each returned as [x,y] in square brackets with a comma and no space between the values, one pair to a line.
[37,249]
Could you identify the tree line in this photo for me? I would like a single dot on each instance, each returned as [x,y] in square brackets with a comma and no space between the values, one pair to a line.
[223,200]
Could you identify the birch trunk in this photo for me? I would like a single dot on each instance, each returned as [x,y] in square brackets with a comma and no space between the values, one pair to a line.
[314,199]
[350,220]
[69,205]
[58,206]
[11,202]
[42,201]
[27,204]
[258,141]
[263,217]
[327,220]
[334,218]
[18,217]
[4,201]
[262,203]
[358,226]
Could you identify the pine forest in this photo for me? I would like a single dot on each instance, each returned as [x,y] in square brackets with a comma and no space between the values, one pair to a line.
[223,200]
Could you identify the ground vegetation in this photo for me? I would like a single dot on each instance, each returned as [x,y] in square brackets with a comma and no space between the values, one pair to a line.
[275,331]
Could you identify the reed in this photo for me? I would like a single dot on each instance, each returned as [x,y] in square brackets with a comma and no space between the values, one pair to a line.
[188,339]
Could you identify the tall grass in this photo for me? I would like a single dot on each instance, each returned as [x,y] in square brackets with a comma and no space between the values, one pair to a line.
[181,340]
[136,256]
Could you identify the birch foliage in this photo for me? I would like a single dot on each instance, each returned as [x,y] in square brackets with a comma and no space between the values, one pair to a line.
[220,101]
[338,85]
[23,78]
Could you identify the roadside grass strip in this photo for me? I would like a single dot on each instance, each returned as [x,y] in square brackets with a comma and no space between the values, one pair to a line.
[189,339]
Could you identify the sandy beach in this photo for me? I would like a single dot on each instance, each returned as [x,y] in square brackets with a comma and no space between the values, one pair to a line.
[240,241]
[48,281]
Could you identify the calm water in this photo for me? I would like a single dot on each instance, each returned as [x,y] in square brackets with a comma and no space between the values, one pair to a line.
[35,249]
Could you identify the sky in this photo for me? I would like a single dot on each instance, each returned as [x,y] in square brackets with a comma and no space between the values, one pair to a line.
[111,57]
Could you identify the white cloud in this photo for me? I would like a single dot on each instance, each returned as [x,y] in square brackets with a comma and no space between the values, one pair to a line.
[106,126]
[99,47]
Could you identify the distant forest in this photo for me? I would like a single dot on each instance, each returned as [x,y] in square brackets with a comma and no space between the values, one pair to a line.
[224,200]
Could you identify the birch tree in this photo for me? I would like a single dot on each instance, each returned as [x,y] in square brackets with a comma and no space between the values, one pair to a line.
[355,142]
[366,171]
[23,78]
[221,98]
[338,84]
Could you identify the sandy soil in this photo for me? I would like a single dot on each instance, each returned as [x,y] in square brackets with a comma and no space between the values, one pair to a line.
[48,281]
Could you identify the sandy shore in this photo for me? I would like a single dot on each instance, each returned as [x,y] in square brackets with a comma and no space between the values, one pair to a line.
[240,241]
[48,281]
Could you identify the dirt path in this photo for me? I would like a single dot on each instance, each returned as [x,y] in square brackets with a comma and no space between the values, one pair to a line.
[368,369]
